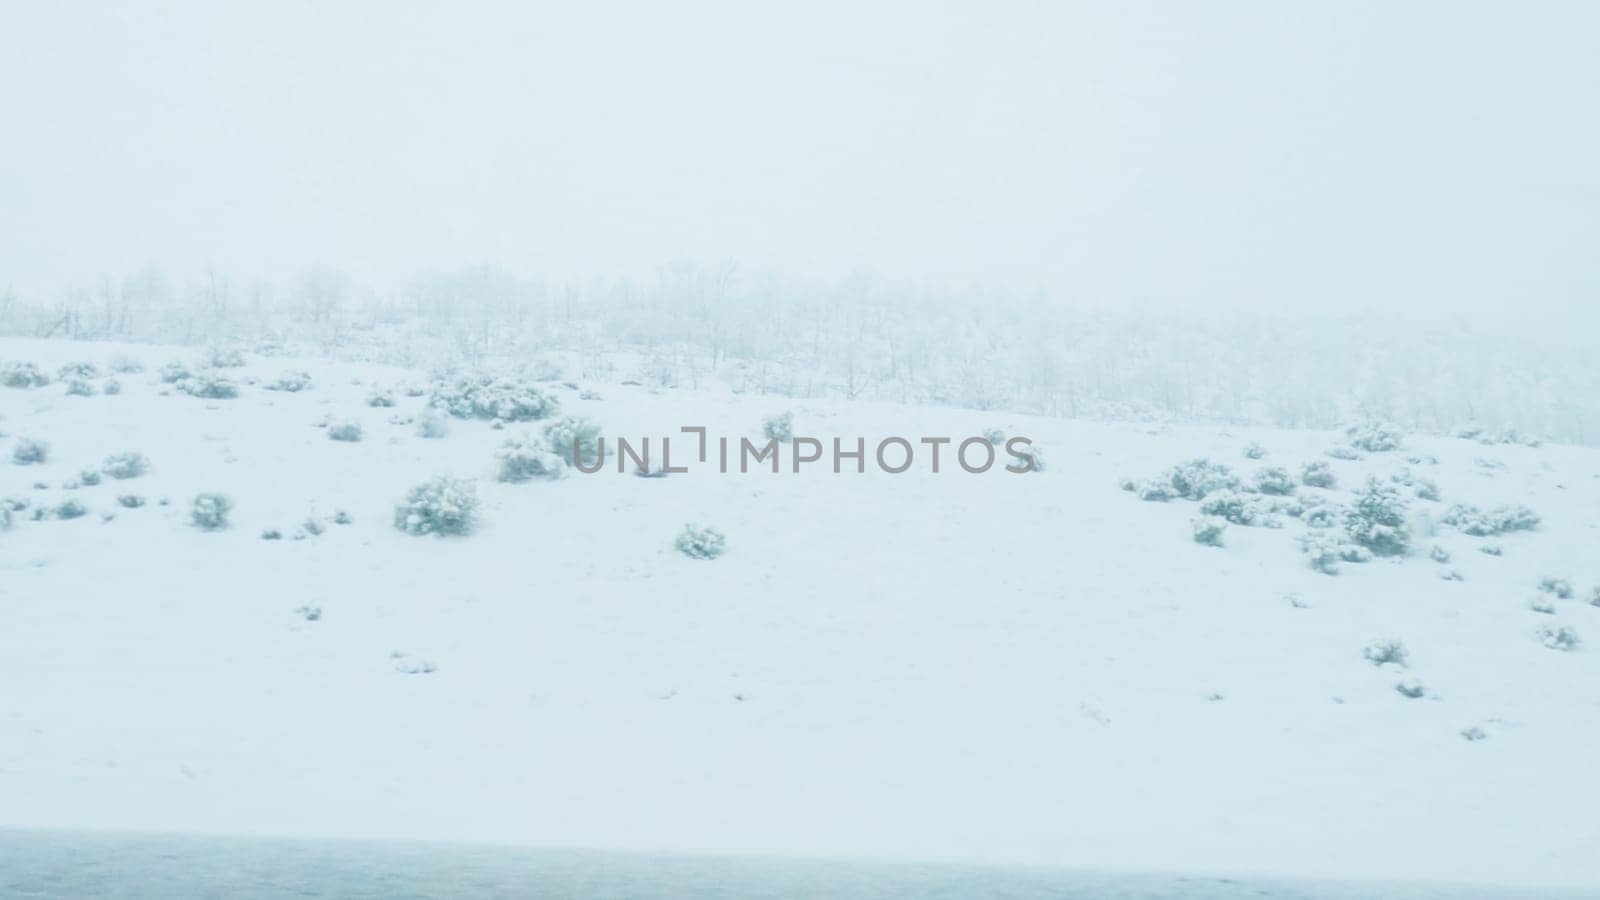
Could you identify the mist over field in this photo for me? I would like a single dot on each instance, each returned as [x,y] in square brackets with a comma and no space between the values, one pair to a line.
[328,332]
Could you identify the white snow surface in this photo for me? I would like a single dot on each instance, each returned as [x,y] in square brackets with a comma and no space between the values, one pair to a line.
[998,668]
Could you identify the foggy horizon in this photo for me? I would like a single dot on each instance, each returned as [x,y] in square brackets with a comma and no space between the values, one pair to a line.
[1230,157]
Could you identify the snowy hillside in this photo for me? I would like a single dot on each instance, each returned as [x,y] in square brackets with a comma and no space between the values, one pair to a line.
[1052,667]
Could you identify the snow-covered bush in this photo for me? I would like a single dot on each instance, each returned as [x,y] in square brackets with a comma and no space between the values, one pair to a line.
[88,478]
[1377,521]
[1324,552]
[27,452]
[1438,554]
[1561,587]
[1341,452]
[700,542]
[111,387]
[1156,491]
[175,372]
[1240,509]
[1385,652]
[291,382]
[1374,437]
[130,501]
[1426,490]
[70,509]
[1208,531]
[381,398]
[1192,480]
[1322,516]
[1274,481]
[1318,475]
[272,534]
[23,375]
[342,517]
[77,387]
[994,436]
[780,427]
[442,506]
[432,427]
[222,358]
[77,371]
[574,434]
[347,431]
[1594,597]
[1034,456]
[483,396]
[209,512]
[126,365]
[1541,603]
[122,466]
[526,458]
[208,386]
[1559,637]
[1254,450]
[1483,523]
[1410,688]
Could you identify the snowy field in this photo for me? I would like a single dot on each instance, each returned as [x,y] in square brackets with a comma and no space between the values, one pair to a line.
[119,866]
[1046,668]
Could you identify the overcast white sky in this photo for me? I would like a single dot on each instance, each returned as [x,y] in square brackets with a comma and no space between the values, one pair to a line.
[1419,153]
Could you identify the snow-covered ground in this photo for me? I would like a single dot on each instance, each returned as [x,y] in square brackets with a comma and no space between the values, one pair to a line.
[992,668]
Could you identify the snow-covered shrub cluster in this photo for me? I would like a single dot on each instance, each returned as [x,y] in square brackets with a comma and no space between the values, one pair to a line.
[527,458]
[1484,523]
[77,370]
[1318,474]
[222,358]
[575,439]
[122,466]
[485,396]
[1274,481]
[1254,450]
[23,375]
[209,512]
[1242,509]
[207,386]
[1374,437]
[70,509]
[432,427]
[291,382]
[1324,552]
[1192,480]
[1377,520]
[381,398]
[28,452]
[701,542]
[441,506]
[1385,652]
[1208,531]
[780,427]
[1559,637]
[78,387]
[1560,587]
[348,431]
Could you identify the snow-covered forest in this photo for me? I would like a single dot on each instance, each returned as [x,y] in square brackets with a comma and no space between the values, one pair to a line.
[874,338]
